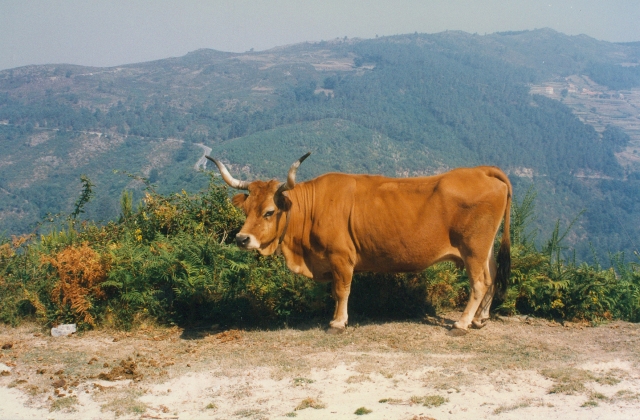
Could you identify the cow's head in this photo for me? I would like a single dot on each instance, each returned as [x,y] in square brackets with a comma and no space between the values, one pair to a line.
[266,207]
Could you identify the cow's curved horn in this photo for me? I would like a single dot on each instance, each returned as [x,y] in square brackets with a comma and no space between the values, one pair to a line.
[291,176]
[231,181]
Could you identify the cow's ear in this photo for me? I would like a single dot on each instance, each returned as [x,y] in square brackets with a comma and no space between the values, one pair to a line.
[283,202]
[239,199]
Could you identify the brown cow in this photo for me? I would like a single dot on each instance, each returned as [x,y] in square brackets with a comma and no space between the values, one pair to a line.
[337,224]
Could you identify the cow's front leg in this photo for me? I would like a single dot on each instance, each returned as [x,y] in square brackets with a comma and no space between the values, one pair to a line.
[340,288]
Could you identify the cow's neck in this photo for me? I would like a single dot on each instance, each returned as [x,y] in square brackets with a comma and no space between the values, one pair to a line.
[296,228]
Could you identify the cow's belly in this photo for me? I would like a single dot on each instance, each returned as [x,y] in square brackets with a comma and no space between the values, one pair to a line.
[402,245]
[403,259]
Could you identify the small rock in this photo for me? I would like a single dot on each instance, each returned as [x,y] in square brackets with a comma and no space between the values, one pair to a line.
[5,370]
[59,383]
[7,346]
[63,330]
[457,332]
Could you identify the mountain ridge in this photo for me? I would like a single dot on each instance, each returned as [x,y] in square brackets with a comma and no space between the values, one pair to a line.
[450,99]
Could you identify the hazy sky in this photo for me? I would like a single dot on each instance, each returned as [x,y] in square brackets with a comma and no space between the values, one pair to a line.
[109,33]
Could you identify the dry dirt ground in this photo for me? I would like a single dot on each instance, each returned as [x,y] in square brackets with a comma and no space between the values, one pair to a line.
[514,368]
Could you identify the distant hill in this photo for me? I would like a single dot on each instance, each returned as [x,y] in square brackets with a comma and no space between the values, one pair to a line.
[557,112]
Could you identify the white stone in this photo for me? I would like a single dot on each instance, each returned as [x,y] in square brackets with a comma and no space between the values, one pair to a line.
[63,330]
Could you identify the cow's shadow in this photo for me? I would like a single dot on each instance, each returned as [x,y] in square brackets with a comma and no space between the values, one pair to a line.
[375,299]
[206,329]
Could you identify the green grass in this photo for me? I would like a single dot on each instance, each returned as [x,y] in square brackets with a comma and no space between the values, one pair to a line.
[310,403]
[390,401]
[626,395]
[362,411]
[506,408]
[611,377]
[302,381]
[357,379]
[569,381]
[429,400]
[589,403]
[125,402]
[248,412]
[64,404]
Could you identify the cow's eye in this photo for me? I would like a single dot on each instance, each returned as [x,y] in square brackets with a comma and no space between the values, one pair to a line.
[269,213]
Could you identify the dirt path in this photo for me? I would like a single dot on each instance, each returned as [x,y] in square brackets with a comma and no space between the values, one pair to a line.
[202,162]
[513,368]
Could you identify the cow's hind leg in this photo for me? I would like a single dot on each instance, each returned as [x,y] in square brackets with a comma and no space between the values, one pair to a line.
[482,314]
[340,287]
[480,278]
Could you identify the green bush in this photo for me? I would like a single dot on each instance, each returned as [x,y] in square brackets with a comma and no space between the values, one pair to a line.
[546,284]
[170,260]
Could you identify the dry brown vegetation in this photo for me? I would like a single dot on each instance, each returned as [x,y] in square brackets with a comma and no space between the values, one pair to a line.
[80,271]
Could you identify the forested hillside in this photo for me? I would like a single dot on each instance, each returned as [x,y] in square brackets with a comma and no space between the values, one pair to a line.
[403,105]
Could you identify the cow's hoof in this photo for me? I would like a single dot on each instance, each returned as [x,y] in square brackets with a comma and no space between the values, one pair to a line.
[457,332]
[335,331]
[479,324]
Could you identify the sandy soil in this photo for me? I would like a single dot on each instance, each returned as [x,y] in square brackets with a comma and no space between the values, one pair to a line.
[514,368]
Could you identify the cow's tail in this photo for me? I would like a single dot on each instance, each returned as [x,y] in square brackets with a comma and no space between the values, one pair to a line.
[504,253]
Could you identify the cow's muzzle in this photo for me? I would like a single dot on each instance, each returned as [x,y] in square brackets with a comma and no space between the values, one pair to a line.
[243,240]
